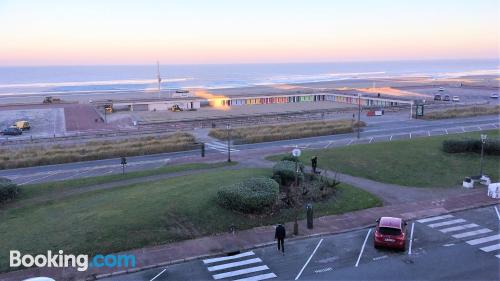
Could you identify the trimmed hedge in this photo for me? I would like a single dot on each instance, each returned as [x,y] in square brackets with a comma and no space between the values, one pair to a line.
[253,195]
[491,146]
[285,170]
[8,190]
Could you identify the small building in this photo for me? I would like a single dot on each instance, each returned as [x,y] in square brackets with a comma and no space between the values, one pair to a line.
[185,103]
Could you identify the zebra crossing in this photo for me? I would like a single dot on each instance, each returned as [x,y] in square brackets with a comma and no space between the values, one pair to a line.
[241,267]
[219,146]
[459,228]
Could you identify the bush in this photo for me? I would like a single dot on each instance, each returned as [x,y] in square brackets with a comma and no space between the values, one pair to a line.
[285,170]
[253,195]
[491,147]
[8,190]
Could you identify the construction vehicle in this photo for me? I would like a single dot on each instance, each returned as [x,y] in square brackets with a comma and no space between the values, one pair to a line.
[176,108]
[51,100]
[22,125]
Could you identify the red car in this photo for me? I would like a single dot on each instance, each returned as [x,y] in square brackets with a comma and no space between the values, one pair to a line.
[390,233]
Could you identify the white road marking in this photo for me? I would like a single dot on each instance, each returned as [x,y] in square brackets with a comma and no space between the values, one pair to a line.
[37,179]
[446,130]
[457,228]
[350,142]
[410,135]
[411,238]
[463,130]
[158,274]
[309,259]
[483,240]
[433,225]
[233,264]
[379,258]
[428,133]
[77,174]
[363,247]
[472,233]
[390,139]
[246,254]
[323,270]
[498,213]
[371,139]
[449,245]
[490,248]
[329,143]
[435,218]
[259,277]
[240,272]
[479,127]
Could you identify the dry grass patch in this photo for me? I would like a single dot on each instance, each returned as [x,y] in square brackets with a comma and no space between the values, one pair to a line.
[94,150]
[285,131]
[462,112]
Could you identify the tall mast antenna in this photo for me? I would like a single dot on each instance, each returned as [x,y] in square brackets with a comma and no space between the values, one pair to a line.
[159,77]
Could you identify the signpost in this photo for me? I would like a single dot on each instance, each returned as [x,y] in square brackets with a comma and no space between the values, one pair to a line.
[124,162]
[296,153]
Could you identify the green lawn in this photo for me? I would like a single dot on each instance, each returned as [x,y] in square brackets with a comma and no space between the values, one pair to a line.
[417,162]
[145,214]
[32,190]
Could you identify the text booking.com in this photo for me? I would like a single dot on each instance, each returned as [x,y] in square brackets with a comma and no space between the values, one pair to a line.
[61,260]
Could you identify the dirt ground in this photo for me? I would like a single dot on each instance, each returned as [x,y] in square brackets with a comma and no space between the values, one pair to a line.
[44,121]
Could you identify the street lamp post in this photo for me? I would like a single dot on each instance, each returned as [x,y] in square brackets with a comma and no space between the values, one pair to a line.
[359,112]
[228,127]
[296,153]
[483,141]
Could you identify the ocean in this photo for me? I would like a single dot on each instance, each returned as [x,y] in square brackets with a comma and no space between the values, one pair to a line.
[65,79]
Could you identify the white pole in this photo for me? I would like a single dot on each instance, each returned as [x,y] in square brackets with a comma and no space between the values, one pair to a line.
[159,77]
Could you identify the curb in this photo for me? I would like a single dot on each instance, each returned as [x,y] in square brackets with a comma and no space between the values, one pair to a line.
[261,245]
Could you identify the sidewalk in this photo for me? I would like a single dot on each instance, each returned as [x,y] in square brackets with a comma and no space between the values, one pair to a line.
[261,236]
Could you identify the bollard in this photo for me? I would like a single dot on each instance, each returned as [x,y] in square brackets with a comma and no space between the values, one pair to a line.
[309,209]
[202,149]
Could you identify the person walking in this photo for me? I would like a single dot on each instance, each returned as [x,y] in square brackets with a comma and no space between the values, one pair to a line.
[280,235]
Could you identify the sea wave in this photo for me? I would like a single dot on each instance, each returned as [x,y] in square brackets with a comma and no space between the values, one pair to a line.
[93,83]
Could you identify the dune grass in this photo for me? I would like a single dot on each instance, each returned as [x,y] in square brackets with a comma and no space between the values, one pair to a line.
[418,162]
[462,112]
[145,214]
[94,150]
[266,133]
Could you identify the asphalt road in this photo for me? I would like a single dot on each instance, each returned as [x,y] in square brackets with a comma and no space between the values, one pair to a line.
[460,246]
[374,132]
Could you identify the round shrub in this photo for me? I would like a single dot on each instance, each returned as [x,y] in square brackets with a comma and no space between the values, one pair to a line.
[253,195]
[290,157]
[285,170]
[8,190]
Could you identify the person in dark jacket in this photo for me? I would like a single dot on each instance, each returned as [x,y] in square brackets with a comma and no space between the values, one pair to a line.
[280,235]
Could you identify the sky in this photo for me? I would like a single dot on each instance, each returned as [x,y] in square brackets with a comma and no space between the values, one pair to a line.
[93,32]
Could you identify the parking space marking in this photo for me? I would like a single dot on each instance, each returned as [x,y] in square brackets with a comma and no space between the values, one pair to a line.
[157,275]
[363,247]
[460,227]
[371,139]
[463,130]
[498,213]
[446,130]
[411,238]
[428,133]
[472,233]
[439,224]
[329,143]
[350,142]
[490,248]
[435,218]
[233,264]
[484,239]
[309,259]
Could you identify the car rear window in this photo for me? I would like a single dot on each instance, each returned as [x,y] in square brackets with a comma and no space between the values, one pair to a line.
[389,231]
